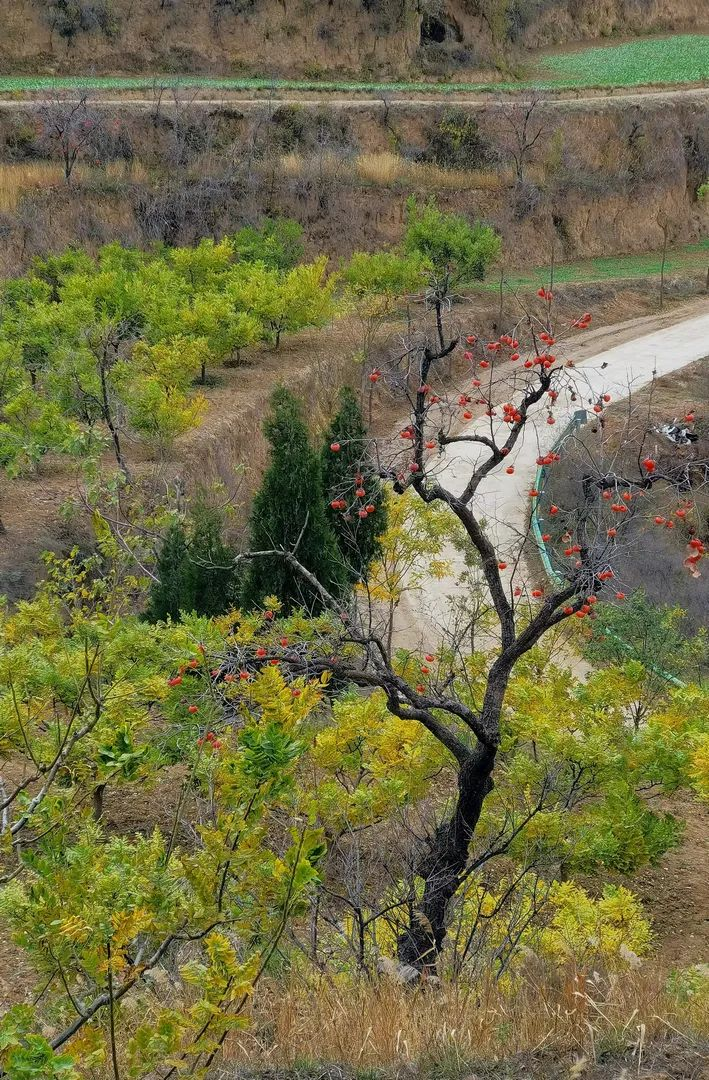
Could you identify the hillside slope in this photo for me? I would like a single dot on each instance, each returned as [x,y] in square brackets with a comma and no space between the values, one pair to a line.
[296,37]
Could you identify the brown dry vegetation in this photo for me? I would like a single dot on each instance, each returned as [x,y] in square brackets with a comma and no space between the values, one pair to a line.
[603,178]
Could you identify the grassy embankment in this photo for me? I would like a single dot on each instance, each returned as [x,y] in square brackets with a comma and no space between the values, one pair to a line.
[680,59]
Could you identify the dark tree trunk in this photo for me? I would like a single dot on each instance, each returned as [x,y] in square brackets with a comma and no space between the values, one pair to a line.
[97,801]
[443,864]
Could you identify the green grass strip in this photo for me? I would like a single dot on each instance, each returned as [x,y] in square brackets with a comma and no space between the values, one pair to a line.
[651,61]
[691,257]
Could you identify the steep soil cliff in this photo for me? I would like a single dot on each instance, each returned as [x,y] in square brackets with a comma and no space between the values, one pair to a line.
[295,37]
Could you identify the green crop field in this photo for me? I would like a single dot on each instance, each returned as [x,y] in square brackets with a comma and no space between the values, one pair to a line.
[688,259]
[646,62]
[680,59]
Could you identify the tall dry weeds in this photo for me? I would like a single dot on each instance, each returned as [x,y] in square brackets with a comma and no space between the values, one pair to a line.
[380,1024]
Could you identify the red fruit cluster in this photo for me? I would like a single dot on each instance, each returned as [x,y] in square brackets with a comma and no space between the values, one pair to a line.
[211,739]
[584,322]
[545,294]
[697,551]
[511,414]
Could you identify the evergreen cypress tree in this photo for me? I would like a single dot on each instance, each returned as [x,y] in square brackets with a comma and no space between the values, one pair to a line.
[346,472]
[195,569]
[169,594]
[210,577]
[289,513]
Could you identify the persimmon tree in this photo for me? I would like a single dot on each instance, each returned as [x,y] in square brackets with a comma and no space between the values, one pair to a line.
[511,380]
[570,796]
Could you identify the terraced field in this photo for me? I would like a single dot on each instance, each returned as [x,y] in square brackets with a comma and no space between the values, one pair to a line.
[676,60]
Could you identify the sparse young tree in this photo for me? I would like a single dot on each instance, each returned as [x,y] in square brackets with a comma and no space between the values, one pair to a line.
[70,127]
[523,129]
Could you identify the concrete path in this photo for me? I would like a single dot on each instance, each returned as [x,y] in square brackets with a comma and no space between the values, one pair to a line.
[189,95]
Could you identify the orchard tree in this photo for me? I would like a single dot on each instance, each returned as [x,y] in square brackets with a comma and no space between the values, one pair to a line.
[289,516]
[375,286]
[276,242]
[352,488]
[455,253]
[284,301]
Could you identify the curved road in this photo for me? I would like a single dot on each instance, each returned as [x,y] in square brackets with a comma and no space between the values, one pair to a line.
[503,500]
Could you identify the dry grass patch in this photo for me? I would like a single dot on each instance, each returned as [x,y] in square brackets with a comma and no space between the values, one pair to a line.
[380,1024]
[386,169]
[19,178]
